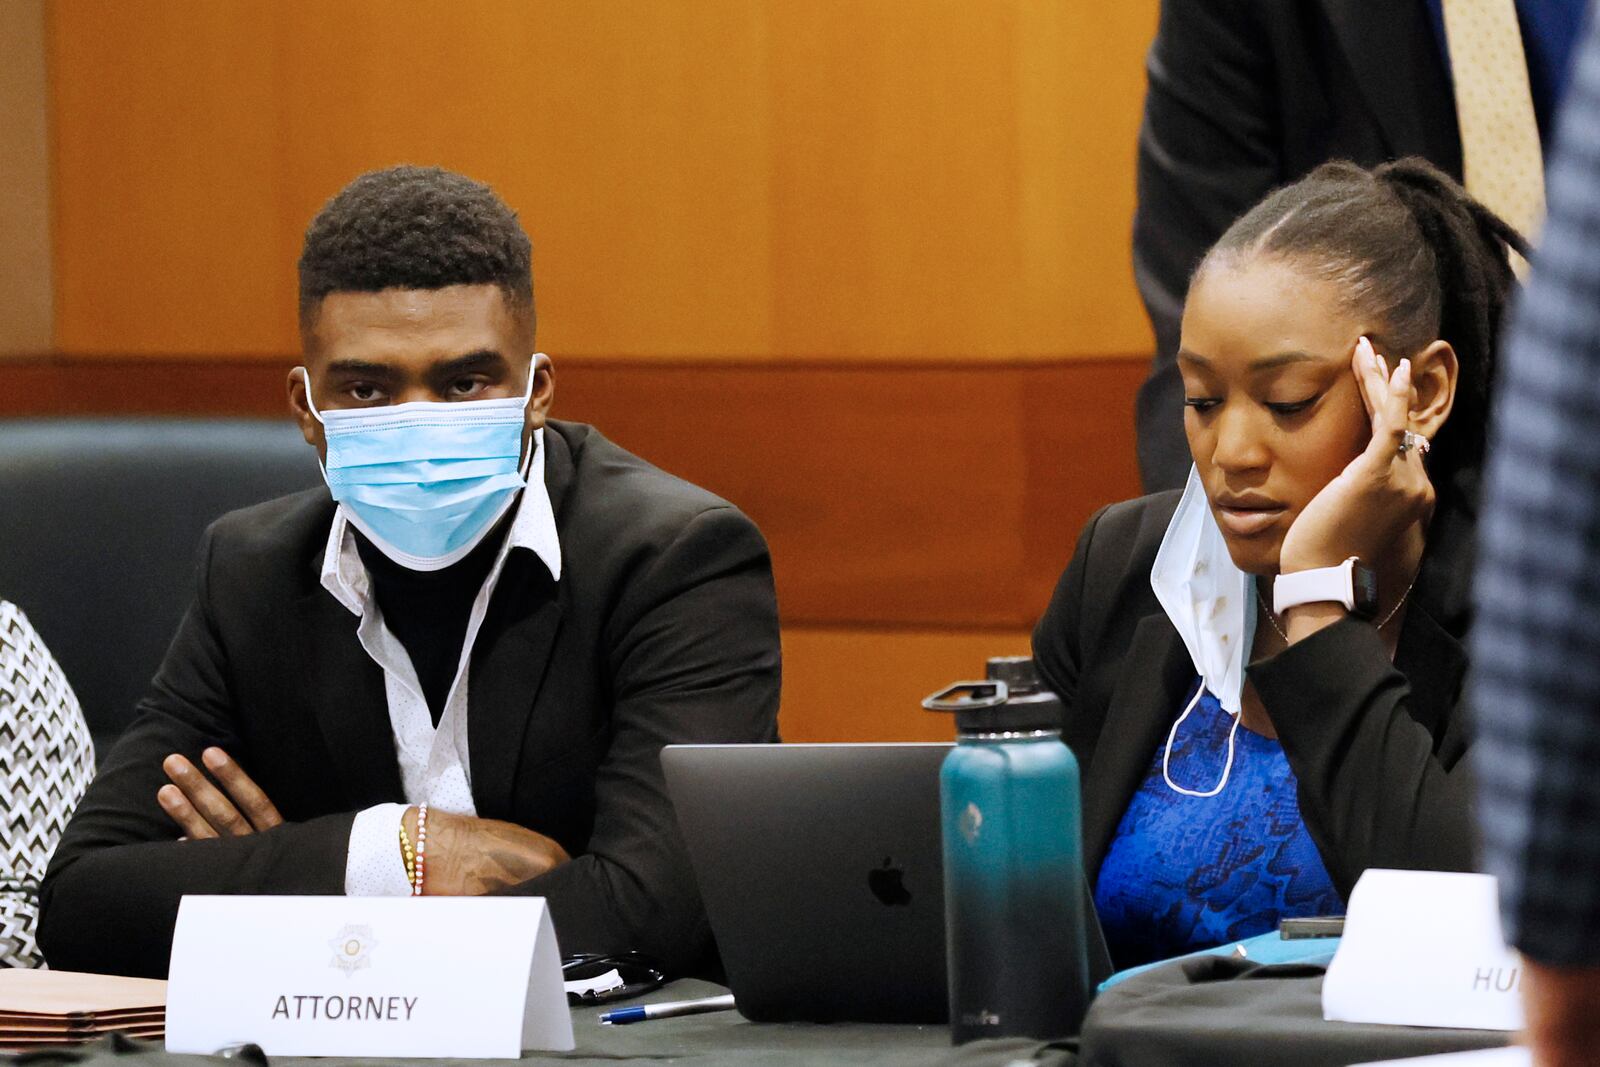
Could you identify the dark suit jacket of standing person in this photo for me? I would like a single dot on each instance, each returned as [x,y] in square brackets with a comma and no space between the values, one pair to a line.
[1248,95]
[662,629]
[1377,748]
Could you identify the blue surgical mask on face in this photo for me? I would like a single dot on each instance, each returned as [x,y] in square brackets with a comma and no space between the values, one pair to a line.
[425,481]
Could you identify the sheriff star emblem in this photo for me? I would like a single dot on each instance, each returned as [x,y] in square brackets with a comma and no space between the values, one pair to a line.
[352,947]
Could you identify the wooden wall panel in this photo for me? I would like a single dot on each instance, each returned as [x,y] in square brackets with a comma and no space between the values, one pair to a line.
[25,310]
[719,179]
[859,265]
[632,138]
[930,497]
[918,516]
[166,180]
[842,684]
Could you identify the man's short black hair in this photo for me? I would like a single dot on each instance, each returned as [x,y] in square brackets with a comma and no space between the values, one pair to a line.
[411,227]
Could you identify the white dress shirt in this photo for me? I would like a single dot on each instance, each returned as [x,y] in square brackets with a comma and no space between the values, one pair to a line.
[434,766]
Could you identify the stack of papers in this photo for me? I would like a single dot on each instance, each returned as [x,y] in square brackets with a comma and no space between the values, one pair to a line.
[43,1008]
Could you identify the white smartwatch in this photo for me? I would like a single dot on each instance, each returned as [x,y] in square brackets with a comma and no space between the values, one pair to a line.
[1352,583]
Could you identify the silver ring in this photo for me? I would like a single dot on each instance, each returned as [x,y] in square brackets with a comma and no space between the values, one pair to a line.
[1414,441]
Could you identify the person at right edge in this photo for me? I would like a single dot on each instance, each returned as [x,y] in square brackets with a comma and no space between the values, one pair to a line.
[1536,649]
[1261,674]
[1247,95]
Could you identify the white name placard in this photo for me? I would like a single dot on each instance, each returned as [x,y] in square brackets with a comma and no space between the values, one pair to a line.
[367,976]
[1424,948]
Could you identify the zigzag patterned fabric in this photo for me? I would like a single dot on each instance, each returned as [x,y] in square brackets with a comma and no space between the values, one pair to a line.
[46,762]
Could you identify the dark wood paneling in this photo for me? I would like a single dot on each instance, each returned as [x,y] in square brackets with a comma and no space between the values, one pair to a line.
[893,494]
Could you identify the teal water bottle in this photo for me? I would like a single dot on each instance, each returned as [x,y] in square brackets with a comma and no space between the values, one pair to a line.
[1013,860]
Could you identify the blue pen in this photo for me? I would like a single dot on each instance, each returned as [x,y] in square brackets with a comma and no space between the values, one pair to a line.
[666,1010]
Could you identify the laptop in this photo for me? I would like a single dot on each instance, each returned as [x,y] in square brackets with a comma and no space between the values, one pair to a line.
[822,875]
[822,872]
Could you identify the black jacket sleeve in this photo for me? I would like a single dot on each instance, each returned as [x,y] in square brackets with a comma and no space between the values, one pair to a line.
[1379,753]
[1058,647]
[695,659]
[1376,790]
[1209,149]
[109,899]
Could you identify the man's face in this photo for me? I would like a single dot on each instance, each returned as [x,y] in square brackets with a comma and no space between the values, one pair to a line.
[464,342]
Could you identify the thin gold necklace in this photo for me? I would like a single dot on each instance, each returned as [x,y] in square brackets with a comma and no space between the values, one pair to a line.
[1273,619]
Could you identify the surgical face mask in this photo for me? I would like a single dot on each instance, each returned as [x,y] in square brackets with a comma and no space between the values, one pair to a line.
[1208,600]
[425,481]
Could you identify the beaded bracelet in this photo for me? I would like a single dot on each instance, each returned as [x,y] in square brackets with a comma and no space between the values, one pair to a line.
[422,850]
[408,854]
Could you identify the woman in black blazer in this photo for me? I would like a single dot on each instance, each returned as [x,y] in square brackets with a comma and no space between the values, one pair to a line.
[1346,752]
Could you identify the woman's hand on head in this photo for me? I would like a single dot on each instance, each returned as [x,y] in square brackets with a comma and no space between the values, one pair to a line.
[1380,495]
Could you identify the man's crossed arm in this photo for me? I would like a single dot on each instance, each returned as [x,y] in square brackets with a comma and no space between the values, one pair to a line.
[467,856]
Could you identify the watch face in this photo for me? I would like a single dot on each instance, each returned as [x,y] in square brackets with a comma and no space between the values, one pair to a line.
[1365,582]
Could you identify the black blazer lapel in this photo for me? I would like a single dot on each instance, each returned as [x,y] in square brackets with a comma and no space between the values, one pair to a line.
[512,653]
[508,666]
[1391,49]
[1152,679]
[350,703]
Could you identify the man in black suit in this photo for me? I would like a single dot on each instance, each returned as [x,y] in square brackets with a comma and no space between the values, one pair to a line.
[432,642]
[1248,95]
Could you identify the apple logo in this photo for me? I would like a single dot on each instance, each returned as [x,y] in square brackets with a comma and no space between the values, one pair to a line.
[887,883]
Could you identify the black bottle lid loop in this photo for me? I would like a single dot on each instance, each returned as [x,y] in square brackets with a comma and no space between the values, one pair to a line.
[1000,705]
[968,696]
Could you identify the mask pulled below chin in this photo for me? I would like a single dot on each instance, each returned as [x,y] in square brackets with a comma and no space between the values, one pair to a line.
[1207,599]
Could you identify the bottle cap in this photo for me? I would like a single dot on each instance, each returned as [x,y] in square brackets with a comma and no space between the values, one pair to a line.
[1017,672]
[1008,701]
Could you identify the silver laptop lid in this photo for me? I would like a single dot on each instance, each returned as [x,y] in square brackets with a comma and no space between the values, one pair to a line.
[821,871]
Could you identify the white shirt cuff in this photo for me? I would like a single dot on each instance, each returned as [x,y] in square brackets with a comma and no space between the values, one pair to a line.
[374,867]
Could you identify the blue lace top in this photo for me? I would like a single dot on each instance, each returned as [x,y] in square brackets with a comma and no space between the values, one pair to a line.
[1186,873]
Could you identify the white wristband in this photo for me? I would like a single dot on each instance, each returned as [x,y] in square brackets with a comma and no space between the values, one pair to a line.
[1323,585]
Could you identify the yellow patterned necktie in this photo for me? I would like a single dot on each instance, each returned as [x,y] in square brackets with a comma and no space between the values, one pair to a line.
[1500,152]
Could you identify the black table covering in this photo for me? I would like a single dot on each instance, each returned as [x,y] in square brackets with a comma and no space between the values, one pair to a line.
[1205,1012]
[1215,1010]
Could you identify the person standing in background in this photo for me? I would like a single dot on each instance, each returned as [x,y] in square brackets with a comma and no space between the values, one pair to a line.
[1247,95]
[1537,643]
[46,762]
